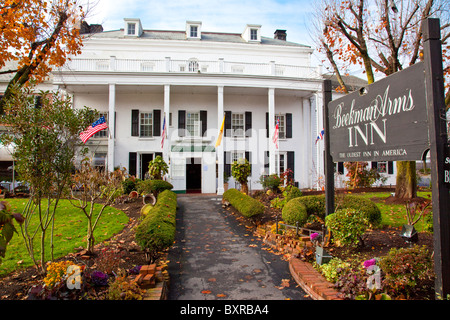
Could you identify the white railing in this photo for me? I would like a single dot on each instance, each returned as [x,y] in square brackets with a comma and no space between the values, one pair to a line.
[190,66]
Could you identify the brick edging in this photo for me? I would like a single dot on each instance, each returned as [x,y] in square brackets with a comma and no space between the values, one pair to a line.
[308,278]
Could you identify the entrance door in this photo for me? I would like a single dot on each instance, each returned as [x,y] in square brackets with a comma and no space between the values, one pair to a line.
[145,159]
[194,175]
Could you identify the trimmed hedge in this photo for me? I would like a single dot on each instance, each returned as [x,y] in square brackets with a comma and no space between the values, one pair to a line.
[299,209]
[157,231]
[153,186]
[246,205]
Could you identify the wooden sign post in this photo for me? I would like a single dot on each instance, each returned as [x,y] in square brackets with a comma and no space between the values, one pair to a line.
[400,117]
[434,79]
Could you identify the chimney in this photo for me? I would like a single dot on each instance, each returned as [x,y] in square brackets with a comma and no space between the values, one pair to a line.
[280,34]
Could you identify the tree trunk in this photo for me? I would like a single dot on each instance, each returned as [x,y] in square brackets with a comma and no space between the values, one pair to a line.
[406,185]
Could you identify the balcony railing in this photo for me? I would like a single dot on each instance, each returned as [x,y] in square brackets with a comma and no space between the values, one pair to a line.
[191,66]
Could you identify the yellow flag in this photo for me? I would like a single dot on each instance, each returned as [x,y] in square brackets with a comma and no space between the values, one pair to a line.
[219,138]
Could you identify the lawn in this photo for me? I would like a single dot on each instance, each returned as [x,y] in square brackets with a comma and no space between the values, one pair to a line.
[394,214]
[70,233]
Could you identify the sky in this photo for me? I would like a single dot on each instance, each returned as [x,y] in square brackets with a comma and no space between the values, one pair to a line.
[216,15]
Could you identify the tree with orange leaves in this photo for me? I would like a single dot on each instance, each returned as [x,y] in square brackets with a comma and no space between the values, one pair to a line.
[381,36]
[35,37]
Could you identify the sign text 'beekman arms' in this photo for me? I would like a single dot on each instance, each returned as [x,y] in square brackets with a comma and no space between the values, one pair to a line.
[388,121]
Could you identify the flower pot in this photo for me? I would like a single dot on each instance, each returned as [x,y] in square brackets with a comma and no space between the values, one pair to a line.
[322,256]
[409,233]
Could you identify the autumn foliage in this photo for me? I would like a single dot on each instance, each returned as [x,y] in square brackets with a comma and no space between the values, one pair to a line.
[36,36]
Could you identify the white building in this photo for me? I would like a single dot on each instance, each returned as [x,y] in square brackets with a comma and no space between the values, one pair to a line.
[192,79]
[136,77]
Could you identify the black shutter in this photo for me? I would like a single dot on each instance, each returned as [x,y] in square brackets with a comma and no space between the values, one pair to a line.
[132,159]
[340,167]
[135,123]
[390,167]
[158,154]
[266,159]
[374,165]
[227,126]
[156,123]
[227,164]
[288,125]
[267,124]
[248,157]
[204,121]
[248,124]
[291,162]
[181,122]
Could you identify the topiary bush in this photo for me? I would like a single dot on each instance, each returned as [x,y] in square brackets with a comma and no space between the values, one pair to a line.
[153,186]
[295,212]
[156,232]
[292,193]
[246,205]
[315,205]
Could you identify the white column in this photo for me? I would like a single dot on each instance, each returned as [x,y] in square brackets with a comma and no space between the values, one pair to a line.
[272,149]
[111,125]
[307,136]
[219,149]
[166,148]
[319,126]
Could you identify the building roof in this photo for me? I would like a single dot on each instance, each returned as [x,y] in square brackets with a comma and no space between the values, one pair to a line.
[353,83]
[206,36]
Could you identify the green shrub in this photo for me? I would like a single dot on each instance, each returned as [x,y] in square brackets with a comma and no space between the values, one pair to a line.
[333,269]
[157,231]
[292,193]
[153,186]
[246,205]
[271,182]
[406,270]
[315,205]
[368,207]
[295,211]
[347,226]
[129,184]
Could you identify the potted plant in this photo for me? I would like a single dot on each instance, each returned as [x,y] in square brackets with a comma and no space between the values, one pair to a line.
[414,212]
[241,170]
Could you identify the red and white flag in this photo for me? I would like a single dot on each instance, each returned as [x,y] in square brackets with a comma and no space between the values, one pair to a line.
[97,126]
[275,134]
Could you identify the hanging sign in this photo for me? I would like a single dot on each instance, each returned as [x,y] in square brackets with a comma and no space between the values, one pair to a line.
[384,121]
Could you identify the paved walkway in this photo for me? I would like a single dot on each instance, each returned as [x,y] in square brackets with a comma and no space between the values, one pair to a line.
[216,258]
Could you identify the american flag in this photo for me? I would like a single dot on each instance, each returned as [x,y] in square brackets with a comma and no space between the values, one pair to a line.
[97,126]
[163,134]
[320,136]
[275,134]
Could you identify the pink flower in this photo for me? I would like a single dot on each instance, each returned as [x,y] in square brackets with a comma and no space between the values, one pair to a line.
[369,263]
[313,236]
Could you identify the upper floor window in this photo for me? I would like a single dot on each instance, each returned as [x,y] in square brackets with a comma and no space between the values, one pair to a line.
[193,65]
[131,29]
[194,32]
[193,124]
[281,125]
[146,124]
[238,124]
[253,34]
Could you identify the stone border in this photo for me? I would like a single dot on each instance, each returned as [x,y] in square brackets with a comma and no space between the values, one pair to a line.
[309,279]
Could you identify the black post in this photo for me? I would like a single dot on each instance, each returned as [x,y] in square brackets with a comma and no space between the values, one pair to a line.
[434,80]
[328,160]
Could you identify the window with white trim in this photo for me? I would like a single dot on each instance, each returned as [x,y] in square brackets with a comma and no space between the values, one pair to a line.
[99,160]
[253,34]
[194,31]
[193,65]
[238,124]
[193,124]
[178,167]
[382,166]
[280,162]
[131,29]
[146,124]
[236,155]
[281,126]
